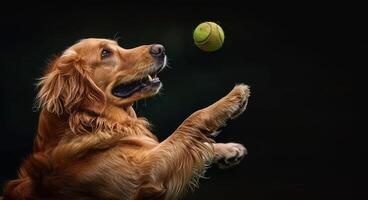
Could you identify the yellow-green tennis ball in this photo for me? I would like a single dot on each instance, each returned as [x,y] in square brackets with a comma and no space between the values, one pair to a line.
[208,36]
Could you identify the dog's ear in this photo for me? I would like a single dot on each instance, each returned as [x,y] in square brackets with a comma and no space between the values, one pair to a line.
[68,86]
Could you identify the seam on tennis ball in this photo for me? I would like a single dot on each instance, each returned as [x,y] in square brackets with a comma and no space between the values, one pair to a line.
[219,34]
[206,39]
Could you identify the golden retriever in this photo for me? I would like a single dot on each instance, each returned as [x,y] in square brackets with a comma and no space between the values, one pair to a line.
[91,145]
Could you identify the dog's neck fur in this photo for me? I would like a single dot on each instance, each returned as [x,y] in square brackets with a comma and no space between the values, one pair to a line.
[122,120]
[119,114]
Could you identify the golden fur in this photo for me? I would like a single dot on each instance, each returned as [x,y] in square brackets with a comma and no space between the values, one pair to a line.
[91,145]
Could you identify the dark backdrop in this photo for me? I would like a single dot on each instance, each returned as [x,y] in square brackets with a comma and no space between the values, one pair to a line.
[299,119]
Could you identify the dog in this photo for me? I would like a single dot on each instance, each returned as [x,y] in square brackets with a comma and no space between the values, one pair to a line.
[91,145]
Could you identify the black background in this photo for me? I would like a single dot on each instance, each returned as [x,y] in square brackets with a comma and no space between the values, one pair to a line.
[298,124]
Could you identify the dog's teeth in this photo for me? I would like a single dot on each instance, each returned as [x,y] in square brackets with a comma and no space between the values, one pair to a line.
[150,78]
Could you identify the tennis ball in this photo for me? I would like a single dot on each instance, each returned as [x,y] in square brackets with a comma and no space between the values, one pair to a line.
[208,36]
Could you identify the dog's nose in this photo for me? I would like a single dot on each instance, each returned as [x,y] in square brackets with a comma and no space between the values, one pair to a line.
[157,50]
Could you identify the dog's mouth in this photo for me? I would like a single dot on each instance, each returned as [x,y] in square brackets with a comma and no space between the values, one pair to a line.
[150,83]
[128,89]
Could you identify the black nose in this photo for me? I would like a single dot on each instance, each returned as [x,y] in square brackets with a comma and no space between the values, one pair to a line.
[157,50]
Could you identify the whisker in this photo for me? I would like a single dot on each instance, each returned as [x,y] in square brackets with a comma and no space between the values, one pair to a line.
[168,66]
[168,63]
[116,37]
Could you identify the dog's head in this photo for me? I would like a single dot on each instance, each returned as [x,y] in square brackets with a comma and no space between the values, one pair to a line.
[94,72]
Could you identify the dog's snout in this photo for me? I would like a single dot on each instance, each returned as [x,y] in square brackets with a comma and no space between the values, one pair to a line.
[157,50]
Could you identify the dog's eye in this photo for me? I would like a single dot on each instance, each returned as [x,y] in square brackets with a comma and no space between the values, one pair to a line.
[105,53]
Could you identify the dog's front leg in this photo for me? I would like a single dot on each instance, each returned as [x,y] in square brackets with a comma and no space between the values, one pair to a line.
[181,159]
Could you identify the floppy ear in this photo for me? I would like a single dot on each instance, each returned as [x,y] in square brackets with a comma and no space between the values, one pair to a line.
[68,86]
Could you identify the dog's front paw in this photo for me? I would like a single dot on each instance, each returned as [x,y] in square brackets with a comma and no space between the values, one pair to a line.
[239,95]
[229,154]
